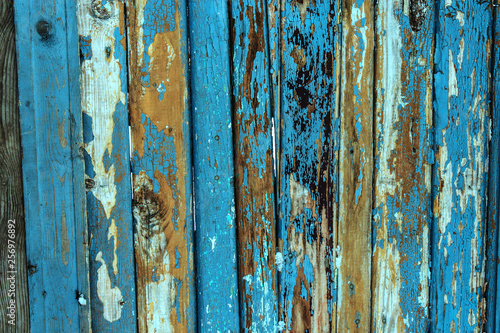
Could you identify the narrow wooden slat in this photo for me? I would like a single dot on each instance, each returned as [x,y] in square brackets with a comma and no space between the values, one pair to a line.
[492,261]
[216,254]
[13,273]
[402,180]
[101,27]
[307,224]
[53,174]
[253,131]
[460,178]
[356,167]
[161,166]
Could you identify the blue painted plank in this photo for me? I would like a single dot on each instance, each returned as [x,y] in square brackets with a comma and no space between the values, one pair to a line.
[101,28]
[51,134]
[308,166]
[254,161]
[216,266]
[161,166]
[402,176]
[492,276]
[460,176]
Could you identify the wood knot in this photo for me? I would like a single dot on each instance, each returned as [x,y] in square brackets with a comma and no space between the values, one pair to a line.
[102,9]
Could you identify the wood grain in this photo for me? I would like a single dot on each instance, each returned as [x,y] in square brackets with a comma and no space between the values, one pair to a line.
[53,168]
[12,226]
[103,64]
[356,168]
[213,158]
[308,166]
[161,165]
[460,177]
[403,155]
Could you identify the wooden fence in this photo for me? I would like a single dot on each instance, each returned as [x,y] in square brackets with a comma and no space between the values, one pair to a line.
[253,166]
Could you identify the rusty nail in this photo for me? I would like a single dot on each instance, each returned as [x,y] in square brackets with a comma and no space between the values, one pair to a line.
[154,85]
[43,27]
[216,138]
[357,321]
[351,286]
[216,177]
[170,129]
[101,9]
[384,320]
[108,51]
[89,183]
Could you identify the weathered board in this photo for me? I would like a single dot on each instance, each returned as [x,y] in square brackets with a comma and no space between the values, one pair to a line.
[161,165]
[308,166]
[356,168]
[13,275]
[492,261]
[402,171]
[217,280]
[101,28]
[460,177]
[254,162]
[53,168]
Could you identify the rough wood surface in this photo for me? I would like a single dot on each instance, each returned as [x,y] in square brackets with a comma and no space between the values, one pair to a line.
[402,181]
[460,177]
[53,170]
[103,64]
[161,165]
[254,179]
[492,261]
[216,250]
[308,168]
[356,168]
[15,316]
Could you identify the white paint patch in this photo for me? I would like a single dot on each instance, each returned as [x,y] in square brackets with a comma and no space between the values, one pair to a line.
[213,240]
[279,261]
[461,18]
[81,300]
[111,298]
[452,78]
[100,96]
[112,232]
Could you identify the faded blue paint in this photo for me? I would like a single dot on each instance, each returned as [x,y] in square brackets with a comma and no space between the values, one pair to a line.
[309,138]
[217,283]
[53,175]
[254,166]
[456,118]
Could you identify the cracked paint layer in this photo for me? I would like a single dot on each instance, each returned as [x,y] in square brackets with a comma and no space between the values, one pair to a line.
[460,178]
[402,179]
[161,166]
[307,165]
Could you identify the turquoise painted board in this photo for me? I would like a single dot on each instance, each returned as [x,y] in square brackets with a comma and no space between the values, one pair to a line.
[161,165]
[103,66]
[460,175]
[492,275]
[53,170]
[308,166]
[403,157]
[216,256]
[254,162]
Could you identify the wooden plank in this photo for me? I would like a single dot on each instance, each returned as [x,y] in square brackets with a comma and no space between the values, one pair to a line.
[161,166]
[13,273]
[53,174]
[254,190]
[460,178]
[492,261]
[356,167]
[402,176]
[308,194]
[217,280]
[101,26]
